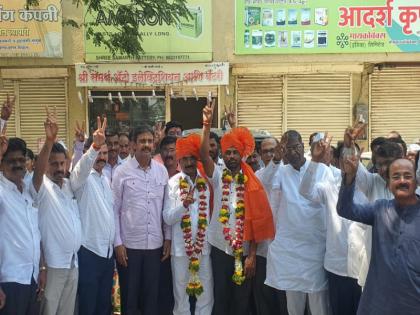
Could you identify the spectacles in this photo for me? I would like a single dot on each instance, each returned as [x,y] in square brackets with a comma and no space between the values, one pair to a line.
[294,147]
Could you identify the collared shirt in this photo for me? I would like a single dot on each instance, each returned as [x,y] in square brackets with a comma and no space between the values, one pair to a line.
[138,205]
[374,187]
[266,175]
[59,216]
[109,171]
[393,281]
[345,238]
[94,198]
[174,211]
[215,228]
[20,239]
[295,259]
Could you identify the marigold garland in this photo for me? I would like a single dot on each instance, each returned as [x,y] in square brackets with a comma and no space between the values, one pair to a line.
[234,238]
[194,249]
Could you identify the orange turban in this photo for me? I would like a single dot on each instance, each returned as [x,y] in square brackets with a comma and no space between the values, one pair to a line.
[241,139]
[188,146]
[258,224]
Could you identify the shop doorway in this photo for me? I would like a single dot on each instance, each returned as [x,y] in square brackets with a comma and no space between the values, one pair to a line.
[189,112]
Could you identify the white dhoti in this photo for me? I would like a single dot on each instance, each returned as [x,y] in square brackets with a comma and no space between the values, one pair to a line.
[180,278]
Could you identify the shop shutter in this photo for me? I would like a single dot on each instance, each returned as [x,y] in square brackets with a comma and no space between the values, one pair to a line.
[8,88]
[34,95]
[395,102]
[260,103]
[318,102]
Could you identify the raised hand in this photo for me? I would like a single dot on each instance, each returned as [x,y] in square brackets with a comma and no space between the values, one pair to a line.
[353,133]
[321,148]
[159,131]
[4,142]
[99,134]
[50,125]
[230,116]
[351,163]
[208,113]
[79,132]
[279,151]
[7,108]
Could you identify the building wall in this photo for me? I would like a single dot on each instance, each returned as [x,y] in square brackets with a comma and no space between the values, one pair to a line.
[73,52]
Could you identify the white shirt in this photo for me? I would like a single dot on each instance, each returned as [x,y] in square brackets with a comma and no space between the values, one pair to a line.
[266,175]
[109,170]
[94,198]
[20,239]
[374,187]
[345,238]
[215,228]
[295,259]
[59,217]
[174,210]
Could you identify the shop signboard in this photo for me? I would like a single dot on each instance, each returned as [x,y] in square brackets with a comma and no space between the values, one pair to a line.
[325,26]
[31,32]
[190,40]
[107,75]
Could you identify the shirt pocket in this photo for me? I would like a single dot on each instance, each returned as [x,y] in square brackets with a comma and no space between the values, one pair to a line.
[157,189]
[136,187]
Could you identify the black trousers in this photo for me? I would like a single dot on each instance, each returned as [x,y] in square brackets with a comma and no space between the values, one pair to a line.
[95,283]
[139,282]
[21,299]
[267,300]
[344,294]
[229,298]
[166,292]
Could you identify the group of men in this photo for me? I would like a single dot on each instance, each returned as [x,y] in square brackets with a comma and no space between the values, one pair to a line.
[206,226]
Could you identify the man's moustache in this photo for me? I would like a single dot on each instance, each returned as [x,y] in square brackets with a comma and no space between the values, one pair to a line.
[17,168]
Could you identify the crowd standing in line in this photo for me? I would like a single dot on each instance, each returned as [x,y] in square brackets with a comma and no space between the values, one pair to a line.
[207,225]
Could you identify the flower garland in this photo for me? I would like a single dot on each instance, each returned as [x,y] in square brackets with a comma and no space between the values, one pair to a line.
[234,238]
[194,249]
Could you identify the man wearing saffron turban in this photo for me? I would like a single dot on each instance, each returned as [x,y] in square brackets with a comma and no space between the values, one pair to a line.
[241,218]
[187,209]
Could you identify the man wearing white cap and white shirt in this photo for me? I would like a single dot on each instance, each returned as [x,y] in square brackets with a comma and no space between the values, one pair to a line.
[61,227]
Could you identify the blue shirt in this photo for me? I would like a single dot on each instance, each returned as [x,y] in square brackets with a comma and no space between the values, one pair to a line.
[393,281]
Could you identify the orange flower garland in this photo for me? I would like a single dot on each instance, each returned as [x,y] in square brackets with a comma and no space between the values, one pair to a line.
[235,238]
[194,249]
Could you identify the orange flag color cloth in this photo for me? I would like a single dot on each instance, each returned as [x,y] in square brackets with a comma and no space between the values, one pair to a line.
[188,146]
[258,224]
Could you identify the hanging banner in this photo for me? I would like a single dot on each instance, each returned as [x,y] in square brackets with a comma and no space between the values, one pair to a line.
[216,73]
[188,41]
[325,26]
[36,32]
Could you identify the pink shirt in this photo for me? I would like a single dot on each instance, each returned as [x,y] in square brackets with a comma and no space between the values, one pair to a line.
[138,205]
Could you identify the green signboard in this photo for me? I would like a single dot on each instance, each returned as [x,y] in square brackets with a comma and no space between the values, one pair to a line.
[326,26]
[188,41]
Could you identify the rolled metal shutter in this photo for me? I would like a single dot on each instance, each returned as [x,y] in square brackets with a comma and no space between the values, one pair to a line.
[318,102]
[34,95]
[395,102]
[8,88]
[259,103]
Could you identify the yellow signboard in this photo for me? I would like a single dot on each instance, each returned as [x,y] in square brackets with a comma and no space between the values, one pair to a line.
[32,32]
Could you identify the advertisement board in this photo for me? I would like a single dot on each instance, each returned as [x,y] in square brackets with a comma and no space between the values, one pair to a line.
[190,40]
[325,26]
[32,32]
